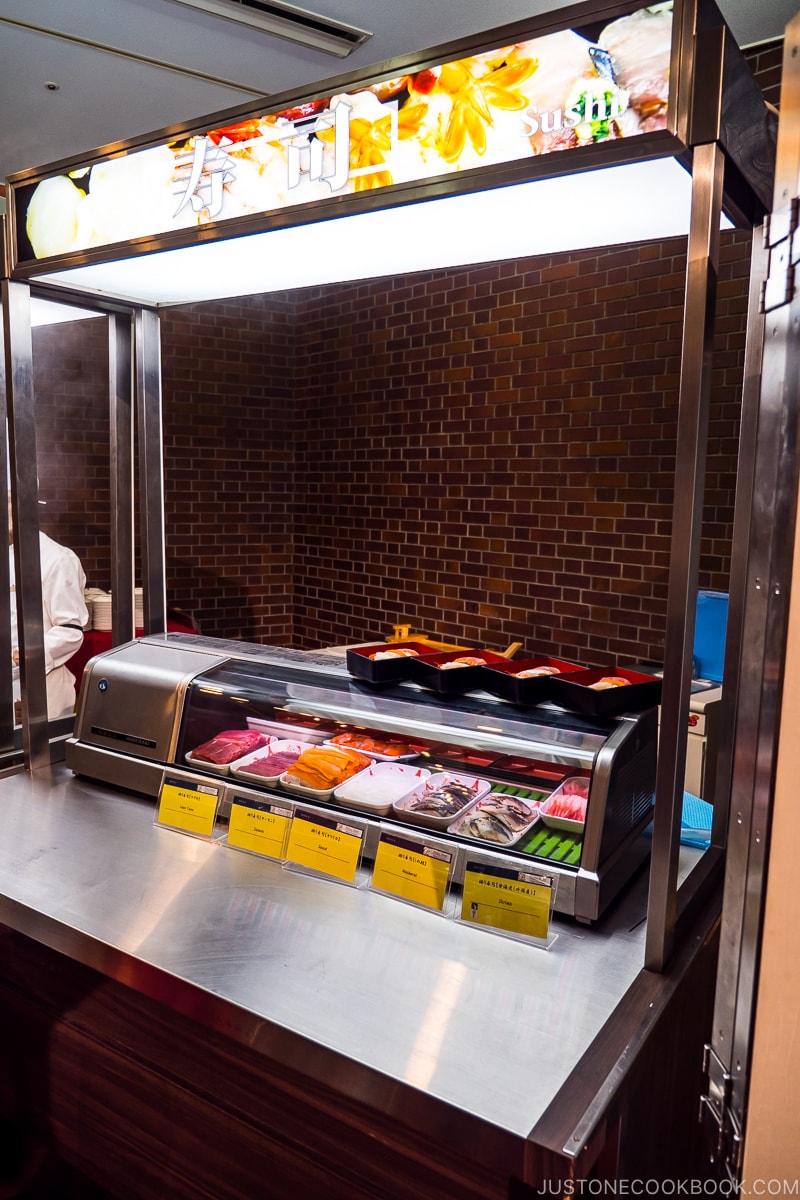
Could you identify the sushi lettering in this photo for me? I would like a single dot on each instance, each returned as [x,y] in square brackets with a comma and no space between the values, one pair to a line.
[306,153]
[592,111]
[209,168]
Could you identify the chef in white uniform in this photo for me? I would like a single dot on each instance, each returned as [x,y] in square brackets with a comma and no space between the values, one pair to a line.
[64,616]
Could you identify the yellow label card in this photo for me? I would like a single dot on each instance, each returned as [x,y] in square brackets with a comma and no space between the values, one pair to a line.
[506,899]
[258,826]
[324,844]
[191,807]
[412,870]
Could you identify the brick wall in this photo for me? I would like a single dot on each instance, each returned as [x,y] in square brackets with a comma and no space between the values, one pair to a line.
[766,61]
[489,453]
[71,386]
[230,424]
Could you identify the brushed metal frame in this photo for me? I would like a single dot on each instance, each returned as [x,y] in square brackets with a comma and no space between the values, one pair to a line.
[768,578]
[120,373]
[131,333]
[694,399]
[121,364]
[743,512]
[6,688]
[151,468]
[25,507]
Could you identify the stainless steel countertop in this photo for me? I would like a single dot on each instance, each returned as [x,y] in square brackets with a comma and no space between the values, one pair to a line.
[484,1023]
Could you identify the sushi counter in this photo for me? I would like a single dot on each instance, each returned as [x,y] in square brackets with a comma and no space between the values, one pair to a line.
[274,732]
[194,1021]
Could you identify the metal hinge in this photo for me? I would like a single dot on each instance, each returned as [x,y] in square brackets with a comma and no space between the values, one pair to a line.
[723,1133]
[784,251]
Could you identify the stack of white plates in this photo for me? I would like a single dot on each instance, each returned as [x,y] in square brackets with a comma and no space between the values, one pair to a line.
[101,612]
[87,599]
[98,603]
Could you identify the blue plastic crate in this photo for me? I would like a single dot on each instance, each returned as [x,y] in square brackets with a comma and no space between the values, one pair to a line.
[711,624]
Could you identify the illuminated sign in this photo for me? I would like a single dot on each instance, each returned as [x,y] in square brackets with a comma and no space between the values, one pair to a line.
[553,93]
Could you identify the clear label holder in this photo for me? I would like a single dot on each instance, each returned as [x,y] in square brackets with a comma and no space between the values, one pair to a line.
[507,897]
[326,845]
[413,868]
[188,804]
[258,824]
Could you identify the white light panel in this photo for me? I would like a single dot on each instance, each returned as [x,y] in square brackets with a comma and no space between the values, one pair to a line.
[607,207]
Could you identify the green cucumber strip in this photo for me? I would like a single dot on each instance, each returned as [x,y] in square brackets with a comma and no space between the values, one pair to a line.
[546,850]
[532,845]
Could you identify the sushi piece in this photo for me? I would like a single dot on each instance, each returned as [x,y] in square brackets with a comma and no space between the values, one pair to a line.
[467,661]
[608,681]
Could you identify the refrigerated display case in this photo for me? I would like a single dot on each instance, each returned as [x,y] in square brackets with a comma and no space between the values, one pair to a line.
[152,704]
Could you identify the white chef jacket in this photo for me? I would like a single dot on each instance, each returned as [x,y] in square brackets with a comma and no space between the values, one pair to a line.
[64,615]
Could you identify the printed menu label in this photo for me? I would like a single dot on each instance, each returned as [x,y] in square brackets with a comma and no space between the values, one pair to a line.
[324,844]
[502,898]
[191,807]
[258,826]
[412,870]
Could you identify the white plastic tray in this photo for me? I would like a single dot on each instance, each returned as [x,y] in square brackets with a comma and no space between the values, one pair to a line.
[312,793]
[459,826]
[224,768]
[376,788]
[389,758]
[293,785]
[403,808]
[240,767]
[284,729]
[563,823]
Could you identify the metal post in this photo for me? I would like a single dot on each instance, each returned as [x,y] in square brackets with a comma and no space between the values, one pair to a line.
[768,578]
[745,471]
[695,382]
[120,389]
[6,688]
[151,469]
[25,503]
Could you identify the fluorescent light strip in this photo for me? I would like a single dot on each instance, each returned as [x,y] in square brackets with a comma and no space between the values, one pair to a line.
[609,207]
[287,21]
